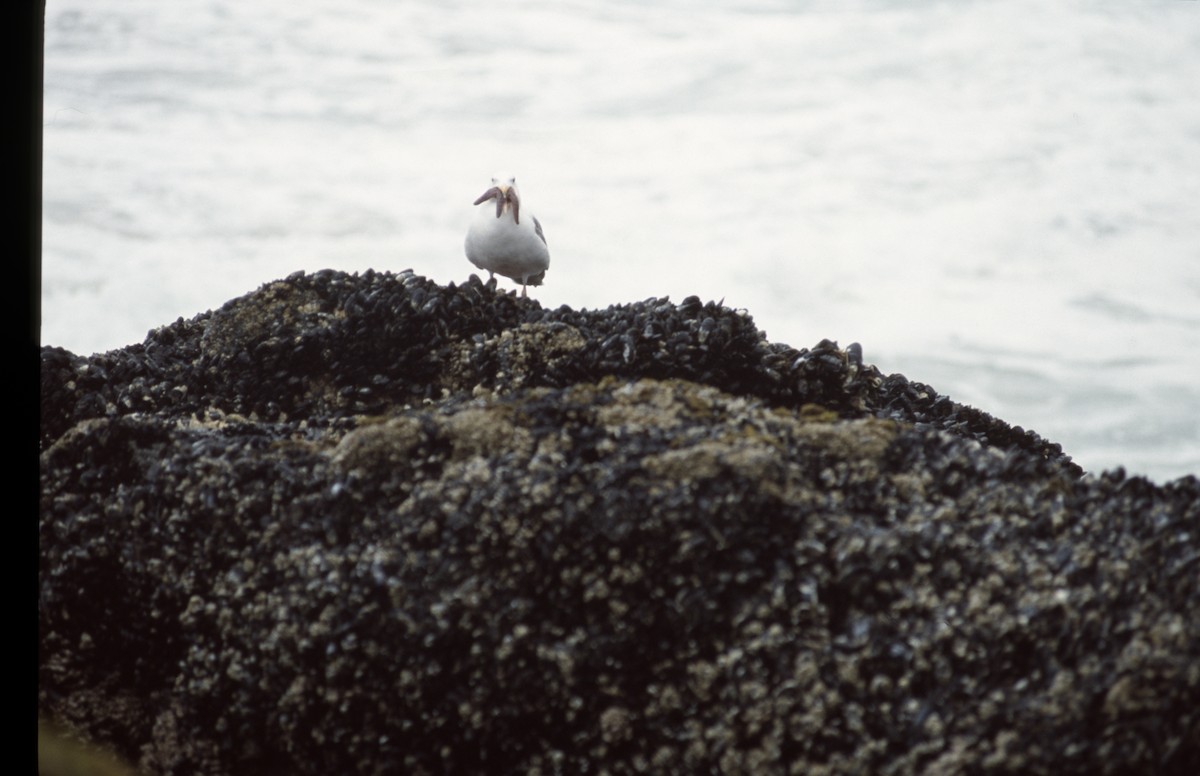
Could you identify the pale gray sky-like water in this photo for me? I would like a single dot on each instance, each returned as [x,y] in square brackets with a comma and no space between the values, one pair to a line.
[997,199]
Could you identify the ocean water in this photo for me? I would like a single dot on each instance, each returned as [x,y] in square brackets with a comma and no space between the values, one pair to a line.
[1000,199]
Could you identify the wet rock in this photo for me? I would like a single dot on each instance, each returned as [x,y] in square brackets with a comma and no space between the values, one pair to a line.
[368,524]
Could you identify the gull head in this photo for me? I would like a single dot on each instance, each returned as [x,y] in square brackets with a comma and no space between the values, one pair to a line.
[504,191]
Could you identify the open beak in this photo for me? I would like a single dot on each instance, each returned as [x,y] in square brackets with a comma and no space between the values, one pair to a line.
[504,195]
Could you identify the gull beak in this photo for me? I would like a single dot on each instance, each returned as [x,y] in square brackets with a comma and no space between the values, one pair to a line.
[508,196]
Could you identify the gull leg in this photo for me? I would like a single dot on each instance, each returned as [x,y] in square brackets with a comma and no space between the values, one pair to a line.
[523,294]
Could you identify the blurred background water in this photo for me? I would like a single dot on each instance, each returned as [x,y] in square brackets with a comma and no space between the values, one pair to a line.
[998,199]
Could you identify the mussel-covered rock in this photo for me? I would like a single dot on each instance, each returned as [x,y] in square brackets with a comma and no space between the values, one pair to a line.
[369,524]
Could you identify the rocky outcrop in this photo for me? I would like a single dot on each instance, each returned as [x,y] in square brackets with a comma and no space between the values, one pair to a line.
[368,524]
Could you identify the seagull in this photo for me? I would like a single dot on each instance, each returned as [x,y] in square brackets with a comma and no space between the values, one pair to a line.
[505,243]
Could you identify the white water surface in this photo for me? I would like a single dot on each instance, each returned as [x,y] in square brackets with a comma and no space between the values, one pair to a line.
[1000,199]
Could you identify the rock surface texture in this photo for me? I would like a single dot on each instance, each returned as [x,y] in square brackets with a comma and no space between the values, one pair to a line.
[369,525]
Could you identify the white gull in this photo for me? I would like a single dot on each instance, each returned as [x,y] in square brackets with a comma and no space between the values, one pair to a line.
[505,243]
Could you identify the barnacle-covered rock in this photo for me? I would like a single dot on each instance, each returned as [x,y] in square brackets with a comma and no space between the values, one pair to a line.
[369,524]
